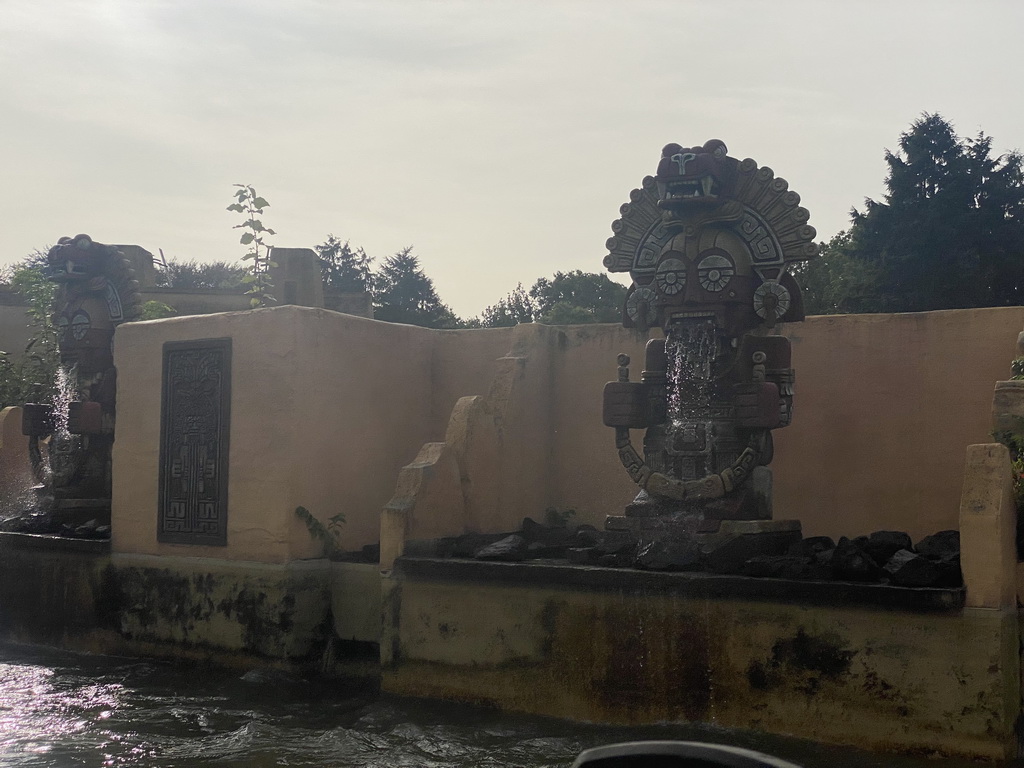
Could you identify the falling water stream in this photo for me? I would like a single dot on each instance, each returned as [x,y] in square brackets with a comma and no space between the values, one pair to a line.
[61,709]
[690,348]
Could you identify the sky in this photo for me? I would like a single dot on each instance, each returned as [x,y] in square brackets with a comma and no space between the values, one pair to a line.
[497,138]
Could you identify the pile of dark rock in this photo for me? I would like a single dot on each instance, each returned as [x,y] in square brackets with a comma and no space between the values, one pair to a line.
[886,557]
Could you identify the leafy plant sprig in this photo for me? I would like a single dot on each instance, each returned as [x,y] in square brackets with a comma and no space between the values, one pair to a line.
[328,535]
[251,205]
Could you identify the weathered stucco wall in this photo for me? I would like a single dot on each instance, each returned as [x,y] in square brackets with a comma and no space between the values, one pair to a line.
[820,662]
[326,408]
[885,407]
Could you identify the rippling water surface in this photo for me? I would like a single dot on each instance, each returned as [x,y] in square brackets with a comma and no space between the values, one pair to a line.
[60,709]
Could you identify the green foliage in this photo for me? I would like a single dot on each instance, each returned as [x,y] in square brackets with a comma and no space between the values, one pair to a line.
[517,307]
[156,310]
[949,234]
[837,282]
[577,297]
[251,205]
[328,535]
[344,268]
[569,298]
[192,275]
[402,293]
[29,375]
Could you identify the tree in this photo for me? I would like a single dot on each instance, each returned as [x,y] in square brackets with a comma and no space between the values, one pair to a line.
[837,282]
[515,308]
[949,234]
[577,297]
[402,293]
[193,275]
[28,375]
[344,268]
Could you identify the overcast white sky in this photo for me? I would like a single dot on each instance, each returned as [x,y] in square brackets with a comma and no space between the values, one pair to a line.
[497,138]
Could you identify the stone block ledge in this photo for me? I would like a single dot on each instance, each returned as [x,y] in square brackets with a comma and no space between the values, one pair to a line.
[53,543]
[557,575]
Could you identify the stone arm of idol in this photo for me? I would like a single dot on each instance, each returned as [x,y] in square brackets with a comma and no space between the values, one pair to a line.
[762,375]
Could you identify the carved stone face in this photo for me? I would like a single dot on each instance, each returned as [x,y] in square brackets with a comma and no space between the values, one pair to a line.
[691,177]
[72,259]
[706,276]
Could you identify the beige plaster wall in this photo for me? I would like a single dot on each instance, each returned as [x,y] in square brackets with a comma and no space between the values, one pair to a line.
[885,408]
[326,408]
[329,407]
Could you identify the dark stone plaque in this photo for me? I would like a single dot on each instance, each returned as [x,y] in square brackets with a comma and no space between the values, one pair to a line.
[194,427]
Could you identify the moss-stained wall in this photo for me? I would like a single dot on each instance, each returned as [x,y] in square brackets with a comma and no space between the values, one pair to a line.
[643,648]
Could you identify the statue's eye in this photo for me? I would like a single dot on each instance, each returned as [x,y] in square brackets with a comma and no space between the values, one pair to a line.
[80,325]
[714,272]
[671,276]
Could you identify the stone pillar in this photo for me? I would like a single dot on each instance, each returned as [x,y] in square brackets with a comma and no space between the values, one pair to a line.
[16,478]
[988,528]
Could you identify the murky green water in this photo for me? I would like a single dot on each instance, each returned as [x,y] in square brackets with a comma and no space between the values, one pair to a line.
[60,709]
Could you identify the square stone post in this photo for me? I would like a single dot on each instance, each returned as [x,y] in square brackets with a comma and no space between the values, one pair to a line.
[988,528]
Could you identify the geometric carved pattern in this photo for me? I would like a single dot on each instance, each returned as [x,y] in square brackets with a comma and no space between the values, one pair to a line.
[194,427]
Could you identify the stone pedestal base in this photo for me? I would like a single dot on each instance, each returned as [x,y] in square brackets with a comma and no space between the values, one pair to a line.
[76,512]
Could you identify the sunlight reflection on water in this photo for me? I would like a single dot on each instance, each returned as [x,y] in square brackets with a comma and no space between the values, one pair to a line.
[59,709]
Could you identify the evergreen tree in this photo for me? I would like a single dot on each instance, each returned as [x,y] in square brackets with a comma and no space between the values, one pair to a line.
[949,234]
[404,294]
[344,268]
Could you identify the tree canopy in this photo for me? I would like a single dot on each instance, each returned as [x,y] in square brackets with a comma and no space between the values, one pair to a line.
[402,293]
[567,298]
[949,233]
[343,267]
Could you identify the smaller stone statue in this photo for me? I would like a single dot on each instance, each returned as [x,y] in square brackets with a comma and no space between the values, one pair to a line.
[97,291]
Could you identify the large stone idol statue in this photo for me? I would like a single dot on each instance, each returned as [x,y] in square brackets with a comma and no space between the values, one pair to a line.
[97,291]
[708,242]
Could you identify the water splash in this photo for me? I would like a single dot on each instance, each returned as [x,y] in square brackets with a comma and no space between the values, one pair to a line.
[691,350]
[64,447]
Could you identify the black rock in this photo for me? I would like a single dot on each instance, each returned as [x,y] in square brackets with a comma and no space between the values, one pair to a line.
[882,545]
[587,536]
[510,549]
[535,549]
[939,545]
[552,536]
[811,546]
[950,574]
[907,569]
[668,555]
[851,563]
[730,556]
[466,545]
[616,543]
